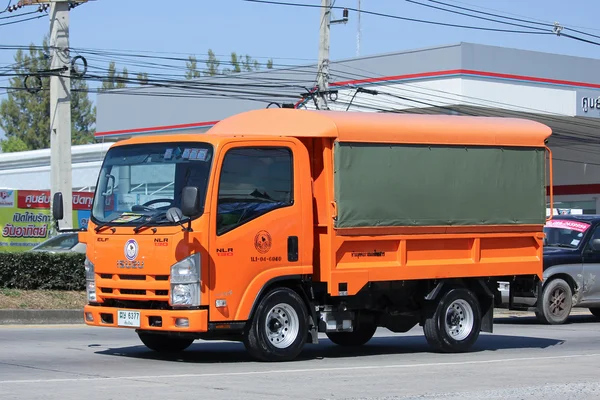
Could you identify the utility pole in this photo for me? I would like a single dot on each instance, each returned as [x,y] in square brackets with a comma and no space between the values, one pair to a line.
[323,65]
[60,102]
[60,109]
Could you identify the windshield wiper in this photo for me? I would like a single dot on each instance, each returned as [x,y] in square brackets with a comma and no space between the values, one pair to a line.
[564,245]
[152,219]
[106,223]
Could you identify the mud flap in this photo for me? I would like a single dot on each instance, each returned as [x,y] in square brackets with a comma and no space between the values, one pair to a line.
[313,331]
[487,308]
[487,321]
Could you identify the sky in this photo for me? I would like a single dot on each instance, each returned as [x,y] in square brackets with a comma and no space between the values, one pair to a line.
[290,35]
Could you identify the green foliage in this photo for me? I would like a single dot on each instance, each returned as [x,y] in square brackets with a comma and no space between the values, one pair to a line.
[113,79]
[192,68]
[25,117]
[212,64]
[236,64]
[142,78]
[13,144]
[40,270]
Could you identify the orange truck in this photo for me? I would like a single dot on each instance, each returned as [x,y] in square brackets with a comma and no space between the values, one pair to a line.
[280,224]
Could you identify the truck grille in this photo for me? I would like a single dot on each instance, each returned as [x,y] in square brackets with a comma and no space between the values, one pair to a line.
[133,287]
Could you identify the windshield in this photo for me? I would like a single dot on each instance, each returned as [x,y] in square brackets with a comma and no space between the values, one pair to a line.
[564,233]
[60,242]
[138,183]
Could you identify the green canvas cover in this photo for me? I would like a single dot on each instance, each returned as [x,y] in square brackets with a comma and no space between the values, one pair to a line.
[415,185]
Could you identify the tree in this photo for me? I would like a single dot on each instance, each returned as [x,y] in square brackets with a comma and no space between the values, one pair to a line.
[142,78]
[113,79]
[192,68]
[13,144]
[238,64]
[212,64]
[25,116]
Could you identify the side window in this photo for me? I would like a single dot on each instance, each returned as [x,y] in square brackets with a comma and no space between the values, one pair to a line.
[254,181]
[593,243]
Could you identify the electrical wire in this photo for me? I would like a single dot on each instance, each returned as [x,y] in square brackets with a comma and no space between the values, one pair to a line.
[473,16]
[21,20]
[531,18]
[7,6]
[20,15]
[401,18]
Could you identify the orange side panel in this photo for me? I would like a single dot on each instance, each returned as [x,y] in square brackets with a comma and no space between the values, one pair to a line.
[363,259]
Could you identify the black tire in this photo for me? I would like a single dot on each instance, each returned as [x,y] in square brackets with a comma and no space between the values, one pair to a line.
[465,312]
[595,312]
[362,333]
[164,343]
[279,327]
[556,302]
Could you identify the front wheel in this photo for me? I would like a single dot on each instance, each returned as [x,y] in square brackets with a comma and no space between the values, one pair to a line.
[555,303]
[163,343]
[279,328]
[455,323]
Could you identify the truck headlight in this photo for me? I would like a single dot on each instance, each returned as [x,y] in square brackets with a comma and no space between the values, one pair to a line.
[185,282]
[90,280]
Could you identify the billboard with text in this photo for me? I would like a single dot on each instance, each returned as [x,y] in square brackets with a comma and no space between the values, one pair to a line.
[26,218]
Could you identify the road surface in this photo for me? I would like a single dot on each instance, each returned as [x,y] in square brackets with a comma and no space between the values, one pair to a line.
[521,360]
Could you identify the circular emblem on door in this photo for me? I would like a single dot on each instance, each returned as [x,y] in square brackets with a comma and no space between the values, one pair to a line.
[131,249]
[262,242]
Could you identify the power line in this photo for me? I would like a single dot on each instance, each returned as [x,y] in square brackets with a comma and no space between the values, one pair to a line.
[509,18]
[363,11]
[7,6]
[20,15]
[517,15]
[21,20]
[474,16]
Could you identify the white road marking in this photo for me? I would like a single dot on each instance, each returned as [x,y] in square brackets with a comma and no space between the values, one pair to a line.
[304,370]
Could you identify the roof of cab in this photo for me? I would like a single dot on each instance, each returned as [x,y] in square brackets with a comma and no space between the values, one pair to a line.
[385,127]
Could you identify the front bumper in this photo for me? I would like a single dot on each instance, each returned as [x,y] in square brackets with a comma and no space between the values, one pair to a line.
[107,317]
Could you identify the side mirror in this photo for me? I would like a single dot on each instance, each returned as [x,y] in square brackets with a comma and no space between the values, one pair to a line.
[57,207]
[595,245]
[190,201]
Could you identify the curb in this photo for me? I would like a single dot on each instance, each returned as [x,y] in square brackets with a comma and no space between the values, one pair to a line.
[33,317]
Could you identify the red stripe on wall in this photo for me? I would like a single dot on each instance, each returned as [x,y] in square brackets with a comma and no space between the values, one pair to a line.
[467,72]
[565,190]
[375,80]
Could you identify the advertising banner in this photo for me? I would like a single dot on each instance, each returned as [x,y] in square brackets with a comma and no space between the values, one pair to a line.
[26,218]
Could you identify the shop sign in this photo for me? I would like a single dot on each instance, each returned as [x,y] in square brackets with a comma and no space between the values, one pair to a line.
[588,104]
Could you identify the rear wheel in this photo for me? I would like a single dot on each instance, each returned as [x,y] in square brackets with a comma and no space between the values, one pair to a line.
[279,328]
[554,306]
[595,311]
[164,343]
[362,333]
[455,323]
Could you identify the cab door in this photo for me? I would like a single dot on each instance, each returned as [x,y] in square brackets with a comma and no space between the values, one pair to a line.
[591,270]
[256,224]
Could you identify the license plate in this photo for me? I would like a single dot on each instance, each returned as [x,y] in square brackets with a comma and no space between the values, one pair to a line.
[128,318]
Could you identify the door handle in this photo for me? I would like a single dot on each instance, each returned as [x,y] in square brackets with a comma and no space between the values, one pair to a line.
[292,248]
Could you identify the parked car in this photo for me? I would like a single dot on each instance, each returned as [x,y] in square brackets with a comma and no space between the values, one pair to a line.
[571,267]
[571,270]
[64,242]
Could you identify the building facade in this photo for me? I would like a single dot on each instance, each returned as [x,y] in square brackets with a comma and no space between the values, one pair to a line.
[560,91]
